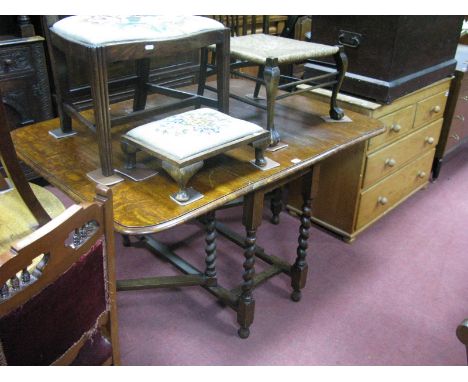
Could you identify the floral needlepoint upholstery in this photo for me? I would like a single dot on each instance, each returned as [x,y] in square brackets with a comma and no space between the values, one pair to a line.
[258,47]
[102,30]
[187,134]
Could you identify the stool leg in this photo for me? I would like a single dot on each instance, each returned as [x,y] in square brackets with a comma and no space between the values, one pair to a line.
[341,65]
[222,72]
[202,73]
[276,205]
[210,249]
[97,66]
[182,175]
[126,241]
[271,75]
[260,157]
[62,87]
[141,91]
[130,155]
[258,84]
[300,267]
[252,217]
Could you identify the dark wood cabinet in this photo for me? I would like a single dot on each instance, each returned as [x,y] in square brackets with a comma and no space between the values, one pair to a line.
[390,56]
[24,81]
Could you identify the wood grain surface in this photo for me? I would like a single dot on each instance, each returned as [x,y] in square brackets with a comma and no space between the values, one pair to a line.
[145,207]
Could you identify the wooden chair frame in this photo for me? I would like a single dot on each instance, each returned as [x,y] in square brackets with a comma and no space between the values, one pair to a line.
[49,240]
[97,59]
[15,173]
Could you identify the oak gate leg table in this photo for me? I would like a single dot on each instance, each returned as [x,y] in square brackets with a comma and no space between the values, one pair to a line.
[142,208]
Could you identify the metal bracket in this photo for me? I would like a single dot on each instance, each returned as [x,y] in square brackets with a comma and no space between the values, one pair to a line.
[349,39]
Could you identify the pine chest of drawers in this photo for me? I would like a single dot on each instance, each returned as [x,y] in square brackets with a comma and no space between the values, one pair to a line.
[358,186]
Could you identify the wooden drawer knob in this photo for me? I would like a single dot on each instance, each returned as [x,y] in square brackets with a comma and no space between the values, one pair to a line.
[436,109]
[390,162]
[395,128]
[429,140]
[421,174]
[382,200]
[8,62]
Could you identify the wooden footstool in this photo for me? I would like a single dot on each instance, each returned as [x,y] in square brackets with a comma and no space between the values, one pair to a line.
[183,141]
[95,42]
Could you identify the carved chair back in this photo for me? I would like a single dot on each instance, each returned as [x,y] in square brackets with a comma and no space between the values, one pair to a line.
[243,25]
[62,311]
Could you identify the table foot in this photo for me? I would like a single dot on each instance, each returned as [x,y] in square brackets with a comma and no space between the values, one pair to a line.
[278,146]
[186,196]
[243,332]
[296,295]
[268,165]
[138,173]
[59,133]
[98,177]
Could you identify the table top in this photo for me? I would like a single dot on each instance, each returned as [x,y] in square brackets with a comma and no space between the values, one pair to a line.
[145,207]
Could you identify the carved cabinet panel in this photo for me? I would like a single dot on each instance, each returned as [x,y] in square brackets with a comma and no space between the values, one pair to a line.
[24,81]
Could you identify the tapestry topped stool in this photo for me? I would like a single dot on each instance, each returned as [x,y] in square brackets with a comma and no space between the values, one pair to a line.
[182,142]
[268,52]
[97,41]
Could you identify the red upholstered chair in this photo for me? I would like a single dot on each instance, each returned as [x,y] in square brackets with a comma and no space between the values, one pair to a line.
[62,310]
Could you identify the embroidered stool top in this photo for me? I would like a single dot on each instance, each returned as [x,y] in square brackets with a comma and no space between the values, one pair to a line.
[258,47]
[103,30]
[186,135]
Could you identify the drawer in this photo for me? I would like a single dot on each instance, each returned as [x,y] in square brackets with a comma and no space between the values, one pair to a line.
[392,157]
[15,60]
[384,195]
[430,109]
[397,124]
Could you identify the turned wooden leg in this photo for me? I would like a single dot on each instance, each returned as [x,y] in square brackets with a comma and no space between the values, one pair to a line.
[341,61]
[246,308]
[300,267]
[252,217]
[141,91]
[276,205]
[271,75]
[210,249]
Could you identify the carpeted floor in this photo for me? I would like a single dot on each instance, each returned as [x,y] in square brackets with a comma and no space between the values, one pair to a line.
[393,297]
